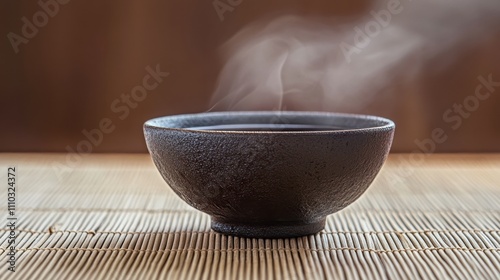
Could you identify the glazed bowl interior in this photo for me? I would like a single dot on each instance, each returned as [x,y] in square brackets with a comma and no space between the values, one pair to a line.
[270,121]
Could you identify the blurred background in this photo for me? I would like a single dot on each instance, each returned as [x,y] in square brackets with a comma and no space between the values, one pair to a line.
[66,70]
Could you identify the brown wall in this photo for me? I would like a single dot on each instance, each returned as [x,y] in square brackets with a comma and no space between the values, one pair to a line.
[66,77]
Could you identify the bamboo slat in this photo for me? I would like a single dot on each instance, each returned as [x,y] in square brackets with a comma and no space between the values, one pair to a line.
[113,217]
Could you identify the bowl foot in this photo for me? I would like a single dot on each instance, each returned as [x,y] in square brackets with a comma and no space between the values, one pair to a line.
[274,230]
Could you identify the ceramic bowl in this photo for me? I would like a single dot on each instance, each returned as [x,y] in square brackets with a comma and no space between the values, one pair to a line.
[269,174]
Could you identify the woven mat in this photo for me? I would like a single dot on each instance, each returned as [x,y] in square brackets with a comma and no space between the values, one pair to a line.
[112,217]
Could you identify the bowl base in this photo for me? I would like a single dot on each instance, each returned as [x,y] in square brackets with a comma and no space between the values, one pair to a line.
[275,230]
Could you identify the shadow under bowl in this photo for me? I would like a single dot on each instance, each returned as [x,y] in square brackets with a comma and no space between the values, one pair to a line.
[269,174]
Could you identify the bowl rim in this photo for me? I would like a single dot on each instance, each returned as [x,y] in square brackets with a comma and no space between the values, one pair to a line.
[158,122]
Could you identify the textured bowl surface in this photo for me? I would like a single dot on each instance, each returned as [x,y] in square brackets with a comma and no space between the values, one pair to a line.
[269,174]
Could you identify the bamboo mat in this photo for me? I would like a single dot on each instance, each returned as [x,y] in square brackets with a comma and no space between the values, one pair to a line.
[112,217]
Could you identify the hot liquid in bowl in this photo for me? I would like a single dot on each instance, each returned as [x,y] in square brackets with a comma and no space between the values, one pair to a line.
[266,127]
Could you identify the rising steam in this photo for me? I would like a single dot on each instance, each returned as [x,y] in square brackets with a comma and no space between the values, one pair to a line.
[325,64]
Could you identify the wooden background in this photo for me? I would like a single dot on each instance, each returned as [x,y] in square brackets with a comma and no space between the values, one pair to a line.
[65,78]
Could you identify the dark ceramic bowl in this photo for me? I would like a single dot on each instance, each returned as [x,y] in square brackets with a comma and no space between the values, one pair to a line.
[269,174]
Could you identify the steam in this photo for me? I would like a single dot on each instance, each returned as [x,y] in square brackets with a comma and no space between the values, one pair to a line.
[325,64]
